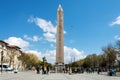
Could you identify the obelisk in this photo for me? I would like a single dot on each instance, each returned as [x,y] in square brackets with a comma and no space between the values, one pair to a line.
[60,40]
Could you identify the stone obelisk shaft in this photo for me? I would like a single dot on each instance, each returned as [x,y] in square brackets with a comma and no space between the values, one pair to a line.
[60,37]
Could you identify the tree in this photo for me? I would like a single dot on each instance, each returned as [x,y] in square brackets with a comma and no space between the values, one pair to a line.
[33,59]
[94,60]
[74,64]
[80,62]
[23,58]
[87,62]
[102,60]
[110,54]
[29,60]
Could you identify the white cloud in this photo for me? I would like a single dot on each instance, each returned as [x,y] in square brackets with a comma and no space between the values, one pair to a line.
[117,37]
[69,53]
[116,22]
[49,54]
[47,27]
[18,42]
[49,37]
[34,38]
[72,53]
[37,53]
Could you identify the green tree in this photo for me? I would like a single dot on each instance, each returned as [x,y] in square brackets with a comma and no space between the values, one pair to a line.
[87,62]
[102,60]
[80,62]
[29,60]
[110,54]
[94,60]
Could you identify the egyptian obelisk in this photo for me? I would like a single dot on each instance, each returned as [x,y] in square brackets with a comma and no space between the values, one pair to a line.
[60,40]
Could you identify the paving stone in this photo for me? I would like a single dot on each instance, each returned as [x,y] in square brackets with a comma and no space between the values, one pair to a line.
[31,75]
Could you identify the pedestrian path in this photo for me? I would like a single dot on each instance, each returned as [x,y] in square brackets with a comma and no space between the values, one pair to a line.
[94,76]
[55,76]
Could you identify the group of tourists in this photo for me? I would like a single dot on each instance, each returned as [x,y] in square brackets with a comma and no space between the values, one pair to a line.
[43,70]
[112,72]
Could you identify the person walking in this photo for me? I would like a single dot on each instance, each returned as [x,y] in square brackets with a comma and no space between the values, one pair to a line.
[99,70]
[38,69]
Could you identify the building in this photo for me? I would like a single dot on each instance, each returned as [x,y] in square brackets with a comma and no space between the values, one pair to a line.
[13,53]
[60,41]
[9,54]
[3,51]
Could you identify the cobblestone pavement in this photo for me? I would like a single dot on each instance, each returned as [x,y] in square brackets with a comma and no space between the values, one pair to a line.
[54,76]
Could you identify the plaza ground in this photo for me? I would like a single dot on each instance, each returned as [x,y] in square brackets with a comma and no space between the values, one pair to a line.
[31,75]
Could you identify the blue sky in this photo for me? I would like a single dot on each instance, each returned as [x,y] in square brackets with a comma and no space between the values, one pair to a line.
[31,24]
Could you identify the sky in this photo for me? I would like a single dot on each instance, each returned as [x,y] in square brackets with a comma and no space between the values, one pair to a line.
[89,25]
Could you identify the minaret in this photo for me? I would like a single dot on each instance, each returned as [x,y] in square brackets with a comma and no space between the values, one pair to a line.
[60,40]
